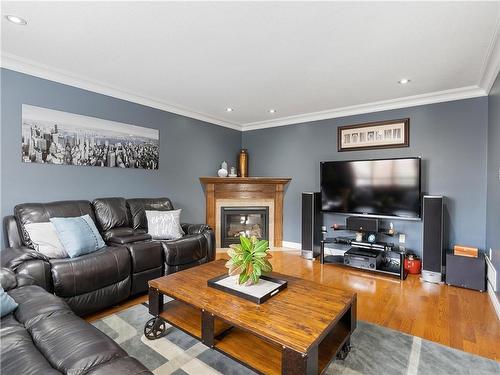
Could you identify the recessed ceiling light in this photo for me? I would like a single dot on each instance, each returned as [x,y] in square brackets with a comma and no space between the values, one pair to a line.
[272,111]
[229,109]
[404,81]
[15,19]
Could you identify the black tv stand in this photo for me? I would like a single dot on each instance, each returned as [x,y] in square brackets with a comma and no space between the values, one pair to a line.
[390,259]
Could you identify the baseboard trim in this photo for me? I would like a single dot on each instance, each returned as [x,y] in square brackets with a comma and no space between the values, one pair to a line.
[292,245]
[494,299]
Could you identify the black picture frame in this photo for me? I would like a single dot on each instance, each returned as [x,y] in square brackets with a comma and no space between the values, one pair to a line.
[371,127]
[258,300]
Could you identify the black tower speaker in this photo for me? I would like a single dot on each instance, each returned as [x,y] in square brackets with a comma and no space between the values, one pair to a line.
[432,254]
[311,225]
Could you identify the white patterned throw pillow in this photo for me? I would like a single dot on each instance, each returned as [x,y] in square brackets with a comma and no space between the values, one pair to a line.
[164,225]
[45,240]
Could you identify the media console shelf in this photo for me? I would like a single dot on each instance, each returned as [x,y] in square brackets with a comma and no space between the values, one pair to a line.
[392,264]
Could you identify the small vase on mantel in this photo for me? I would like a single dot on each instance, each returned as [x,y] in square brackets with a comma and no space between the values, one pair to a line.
[243,163]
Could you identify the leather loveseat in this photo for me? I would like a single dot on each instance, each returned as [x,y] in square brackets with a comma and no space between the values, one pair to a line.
[43,336]
[92,282]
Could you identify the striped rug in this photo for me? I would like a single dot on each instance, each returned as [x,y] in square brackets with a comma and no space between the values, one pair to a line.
[375,350]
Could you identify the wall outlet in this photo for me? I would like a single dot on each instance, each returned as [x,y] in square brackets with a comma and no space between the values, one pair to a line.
[402,238]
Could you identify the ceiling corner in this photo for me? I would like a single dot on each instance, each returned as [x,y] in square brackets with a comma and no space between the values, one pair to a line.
[491,64]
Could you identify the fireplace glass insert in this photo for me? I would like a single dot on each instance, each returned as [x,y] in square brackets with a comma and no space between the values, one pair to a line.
[249,221]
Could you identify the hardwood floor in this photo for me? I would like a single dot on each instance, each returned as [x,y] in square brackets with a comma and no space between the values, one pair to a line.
[455,317]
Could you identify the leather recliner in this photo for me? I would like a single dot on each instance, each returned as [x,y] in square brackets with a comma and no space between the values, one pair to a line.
[88,283]
[39,337]
[108,276]
[122,221]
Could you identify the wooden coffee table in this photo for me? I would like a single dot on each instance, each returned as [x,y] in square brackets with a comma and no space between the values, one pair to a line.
[298,331]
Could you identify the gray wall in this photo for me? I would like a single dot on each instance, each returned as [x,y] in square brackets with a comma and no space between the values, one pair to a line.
[189,149]
[493,198]
[450,137]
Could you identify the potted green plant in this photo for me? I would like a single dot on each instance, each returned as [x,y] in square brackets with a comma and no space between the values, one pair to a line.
[249,260]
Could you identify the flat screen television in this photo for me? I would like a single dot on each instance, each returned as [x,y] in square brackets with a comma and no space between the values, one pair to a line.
[383,187]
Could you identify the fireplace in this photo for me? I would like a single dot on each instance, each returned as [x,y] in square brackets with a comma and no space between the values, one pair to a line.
[249,221]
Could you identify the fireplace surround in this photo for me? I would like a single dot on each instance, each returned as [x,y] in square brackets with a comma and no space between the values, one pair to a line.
[246,192]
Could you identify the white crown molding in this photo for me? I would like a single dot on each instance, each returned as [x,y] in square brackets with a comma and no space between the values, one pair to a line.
[491,63]
[22,65]
[384,105]
[13,62]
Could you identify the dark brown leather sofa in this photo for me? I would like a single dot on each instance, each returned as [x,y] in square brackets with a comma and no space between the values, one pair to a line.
[43,336]
[92,282]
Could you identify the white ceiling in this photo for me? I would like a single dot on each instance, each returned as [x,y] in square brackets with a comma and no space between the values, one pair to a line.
[307,60]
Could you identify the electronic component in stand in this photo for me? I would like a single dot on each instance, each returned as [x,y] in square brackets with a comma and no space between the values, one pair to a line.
[344,240]
[363,258]
[381,246]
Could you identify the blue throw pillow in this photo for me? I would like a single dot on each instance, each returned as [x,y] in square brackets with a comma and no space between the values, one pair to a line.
[78,235]
[7,303]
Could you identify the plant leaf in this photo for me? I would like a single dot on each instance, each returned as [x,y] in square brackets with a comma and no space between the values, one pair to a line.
[236,270]
[248,258]
[260,254]
[243,278]
[257,269]
[261,246]
[265,266]
[236,247]
[246,245]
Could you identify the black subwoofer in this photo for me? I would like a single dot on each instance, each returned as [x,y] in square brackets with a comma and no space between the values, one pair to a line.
[466,272]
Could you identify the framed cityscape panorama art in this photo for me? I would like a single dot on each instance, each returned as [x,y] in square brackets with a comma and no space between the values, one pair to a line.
[373,135]
[62,138]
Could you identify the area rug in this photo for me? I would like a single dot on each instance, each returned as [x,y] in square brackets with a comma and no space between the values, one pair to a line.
[375,350]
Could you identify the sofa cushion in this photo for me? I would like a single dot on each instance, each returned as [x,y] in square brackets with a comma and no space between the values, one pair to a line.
[78,235]
[74,276]
[120,366]
[36,304]
[19,353]
[111,213]
[45,240]
[138,206]
[7,303]
[71,345]
[164,225]
[41,213]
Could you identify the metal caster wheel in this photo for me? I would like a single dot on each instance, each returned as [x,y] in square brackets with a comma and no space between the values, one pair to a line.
[344,351]
[154,328]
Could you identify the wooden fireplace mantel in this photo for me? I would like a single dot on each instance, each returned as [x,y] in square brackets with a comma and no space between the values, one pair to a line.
[246,188]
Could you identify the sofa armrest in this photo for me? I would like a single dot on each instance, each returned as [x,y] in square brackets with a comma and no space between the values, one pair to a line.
[122,240]
[194,228]
[9,280]
[28,262]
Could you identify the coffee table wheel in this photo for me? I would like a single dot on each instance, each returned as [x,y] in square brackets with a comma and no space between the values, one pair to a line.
[154,328]
[344,351]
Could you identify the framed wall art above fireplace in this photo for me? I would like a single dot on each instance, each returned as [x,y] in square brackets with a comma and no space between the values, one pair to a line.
[374,135]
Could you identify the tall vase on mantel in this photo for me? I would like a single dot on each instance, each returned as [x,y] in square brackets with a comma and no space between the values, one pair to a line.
[243,163]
